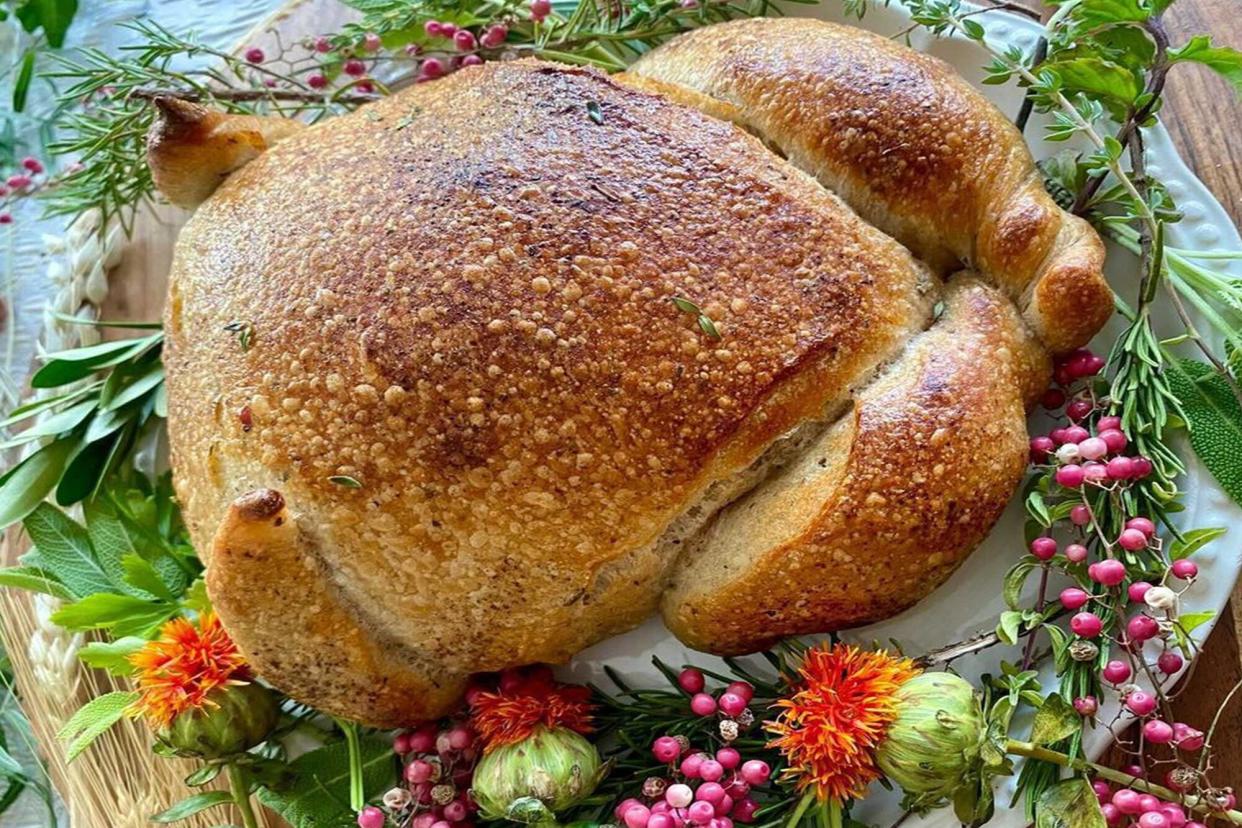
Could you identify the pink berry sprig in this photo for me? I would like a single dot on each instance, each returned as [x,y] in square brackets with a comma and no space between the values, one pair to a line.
[732,702]
[1086,523]
[1136,806]
[23,182]
[691,754]
[438,761]
[696,787]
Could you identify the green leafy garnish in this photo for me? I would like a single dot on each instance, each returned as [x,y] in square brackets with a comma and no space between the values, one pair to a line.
[1214,420]
[113,392]
[705,323]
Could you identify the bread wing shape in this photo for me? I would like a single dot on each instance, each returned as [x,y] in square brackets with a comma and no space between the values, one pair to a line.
[886,503]
[908,144]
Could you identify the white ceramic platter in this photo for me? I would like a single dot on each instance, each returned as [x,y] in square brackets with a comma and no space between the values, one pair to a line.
[971,600]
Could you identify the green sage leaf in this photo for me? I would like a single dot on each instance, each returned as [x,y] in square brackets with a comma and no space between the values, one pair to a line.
[33,579]
[318,795]
[192,805]
[1056,719]
[61,546]
[52,16]
[1069,804]
[1214,420]
[92,719]
[25,74]
[26,485]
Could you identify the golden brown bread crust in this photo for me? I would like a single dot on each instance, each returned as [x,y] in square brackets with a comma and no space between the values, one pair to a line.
[191,149]
[265,582]
[895,496]
[460,297]
[910,146]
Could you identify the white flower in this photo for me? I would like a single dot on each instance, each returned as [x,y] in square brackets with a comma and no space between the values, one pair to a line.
[1161,598]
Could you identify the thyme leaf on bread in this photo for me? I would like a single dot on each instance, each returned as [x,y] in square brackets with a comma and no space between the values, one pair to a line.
[705,323]
[244,331]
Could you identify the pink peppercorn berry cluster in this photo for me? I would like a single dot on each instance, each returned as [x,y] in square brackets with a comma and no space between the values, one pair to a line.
[1081,458]
[22,182]
[446,47]
[1090,451]
[732,702]
[701,788]
[439,765]
[1130,808]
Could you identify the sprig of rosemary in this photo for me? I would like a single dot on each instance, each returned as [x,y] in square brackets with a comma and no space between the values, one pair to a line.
[105,114]
[605,34]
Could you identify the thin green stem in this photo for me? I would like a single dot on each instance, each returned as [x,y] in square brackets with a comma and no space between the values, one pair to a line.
[1207,742]
[807,799]
[834,814]
[357,797]
[1043,754]
[241,796]
[1072,113]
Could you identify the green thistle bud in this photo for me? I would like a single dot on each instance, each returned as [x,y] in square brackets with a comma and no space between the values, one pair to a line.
[234,718]
[531,780]
[933,747]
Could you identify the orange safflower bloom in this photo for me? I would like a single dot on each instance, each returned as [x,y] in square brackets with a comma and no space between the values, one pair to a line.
[505,718]
[829,728]
[177,671]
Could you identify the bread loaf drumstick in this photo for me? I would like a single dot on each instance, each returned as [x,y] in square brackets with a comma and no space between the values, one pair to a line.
[908,144]
[192,148]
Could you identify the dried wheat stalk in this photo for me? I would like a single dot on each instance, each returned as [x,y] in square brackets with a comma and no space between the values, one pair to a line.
[117,782]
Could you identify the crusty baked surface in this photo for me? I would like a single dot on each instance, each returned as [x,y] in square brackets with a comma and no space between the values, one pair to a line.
[460,299]
[499,364]
[911,146]
[885,505]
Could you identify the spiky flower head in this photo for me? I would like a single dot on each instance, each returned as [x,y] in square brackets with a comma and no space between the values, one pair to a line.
[179,670]
[195,691]
[506,718]
[829,727]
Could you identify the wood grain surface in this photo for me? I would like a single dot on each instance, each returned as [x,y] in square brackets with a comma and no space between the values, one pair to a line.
[1202,113]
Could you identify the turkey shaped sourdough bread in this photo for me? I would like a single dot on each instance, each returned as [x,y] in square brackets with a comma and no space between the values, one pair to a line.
[460,300]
